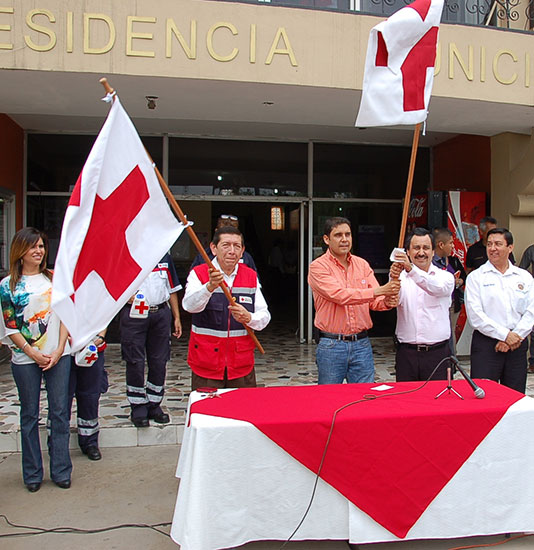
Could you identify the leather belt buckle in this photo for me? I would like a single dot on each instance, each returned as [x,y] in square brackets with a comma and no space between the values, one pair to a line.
[152,309]
[423,347]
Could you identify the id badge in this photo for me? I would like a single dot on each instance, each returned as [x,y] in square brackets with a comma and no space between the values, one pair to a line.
[140,307]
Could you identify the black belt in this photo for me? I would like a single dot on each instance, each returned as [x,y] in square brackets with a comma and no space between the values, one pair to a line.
[156,308]
[345,337]
[151,309]
[425,347]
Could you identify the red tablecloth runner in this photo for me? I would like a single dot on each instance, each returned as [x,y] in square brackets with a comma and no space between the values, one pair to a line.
[390,456]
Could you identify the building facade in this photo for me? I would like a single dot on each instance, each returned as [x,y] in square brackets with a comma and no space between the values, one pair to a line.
[249,109]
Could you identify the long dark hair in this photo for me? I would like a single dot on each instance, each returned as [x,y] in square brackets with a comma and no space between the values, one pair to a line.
[23,240]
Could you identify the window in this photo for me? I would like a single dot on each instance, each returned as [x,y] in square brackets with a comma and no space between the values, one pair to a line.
[277,218]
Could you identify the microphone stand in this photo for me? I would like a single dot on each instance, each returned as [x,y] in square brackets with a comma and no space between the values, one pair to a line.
[449,387]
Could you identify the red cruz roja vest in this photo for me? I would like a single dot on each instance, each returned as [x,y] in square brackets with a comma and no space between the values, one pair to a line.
[217,339]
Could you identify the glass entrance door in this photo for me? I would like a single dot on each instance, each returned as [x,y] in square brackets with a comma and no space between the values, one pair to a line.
[272,233]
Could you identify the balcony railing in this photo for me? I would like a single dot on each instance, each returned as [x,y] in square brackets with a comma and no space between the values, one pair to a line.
[510,14]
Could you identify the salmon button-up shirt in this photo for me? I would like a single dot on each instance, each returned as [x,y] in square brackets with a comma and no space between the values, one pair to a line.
[343,297]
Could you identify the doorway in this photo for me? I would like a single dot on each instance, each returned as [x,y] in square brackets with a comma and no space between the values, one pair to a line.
[276,251]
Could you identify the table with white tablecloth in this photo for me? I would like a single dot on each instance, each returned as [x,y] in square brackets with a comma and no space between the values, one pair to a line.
[403,466]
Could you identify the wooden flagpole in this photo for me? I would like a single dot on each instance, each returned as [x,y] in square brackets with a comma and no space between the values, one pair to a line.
[181,216]
[409,183]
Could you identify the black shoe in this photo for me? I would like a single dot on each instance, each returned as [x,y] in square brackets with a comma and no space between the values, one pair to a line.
[160,417]
[92,452]
[140,422]
[65,484]
[33,487]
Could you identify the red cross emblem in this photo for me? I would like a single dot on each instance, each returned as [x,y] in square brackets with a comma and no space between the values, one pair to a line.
[91,359]
[105,249]
[141,307]
[420,57]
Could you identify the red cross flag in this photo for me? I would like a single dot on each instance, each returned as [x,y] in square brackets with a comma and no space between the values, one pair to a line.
[399,67]
[117,227]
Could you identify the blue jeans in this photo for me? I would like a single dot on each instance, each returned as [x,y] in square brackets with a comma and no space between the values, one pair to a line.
[337,360]
[28,379]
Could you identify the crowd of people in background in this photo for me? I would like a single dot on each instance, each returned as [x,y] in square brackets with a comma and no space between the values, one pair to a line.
[427,286]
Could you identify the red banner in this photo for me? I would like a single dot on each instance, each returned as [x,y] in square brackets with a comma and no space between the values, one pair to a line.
[465,210]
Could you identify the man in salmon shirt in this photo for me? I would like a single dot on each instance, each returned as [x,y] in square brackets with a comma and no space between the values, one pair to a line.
[221,353]
[344,290]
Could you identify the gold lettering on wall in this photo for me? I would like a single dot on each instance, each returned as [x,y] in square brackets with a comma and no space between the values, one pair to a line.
[454,53]
[69,38]
[252,52]
[482,64]
[131,35]
[437,64]
[496,73]
[87,26]
[190,49]
[209,42]
[287,50]
[6,45]
[40,29]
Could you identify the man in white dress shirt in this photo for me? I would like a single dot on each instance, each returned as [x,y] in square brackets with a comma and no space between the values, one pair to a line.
[499,299]
[423,327]
[221,353]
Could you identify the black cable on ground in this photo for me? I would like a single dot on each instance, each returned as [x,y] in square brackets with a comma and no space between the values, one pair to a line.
[33,530]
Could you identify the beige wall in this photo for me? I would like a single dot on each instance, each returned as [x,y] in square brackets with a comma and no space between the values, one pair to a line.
[512,187]
[251,43]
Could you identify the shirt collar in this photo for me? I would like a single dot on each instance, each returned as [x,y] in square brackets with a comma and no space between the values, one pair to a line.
[439,261]
[336,261]
[488,266]
[216,265]
[431,270]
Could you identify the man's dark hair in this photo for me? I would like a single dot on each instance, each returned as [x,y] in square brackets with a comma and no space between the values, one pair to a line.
[226,230]
[508,237]
[418,232]
[332,223]
[484,221]
[442,234]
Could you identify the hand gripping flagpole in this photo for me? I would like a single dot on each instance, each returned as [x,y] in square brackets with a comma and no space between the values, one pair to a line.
[181,216]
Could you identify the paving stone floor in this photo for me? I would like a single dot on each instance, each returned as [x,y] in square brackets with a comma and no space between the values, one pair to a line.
[286,362]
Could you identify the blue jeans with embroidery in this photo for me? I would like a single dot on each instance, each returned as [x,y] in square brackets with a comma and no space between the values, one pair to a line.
[28,379]
[338,360]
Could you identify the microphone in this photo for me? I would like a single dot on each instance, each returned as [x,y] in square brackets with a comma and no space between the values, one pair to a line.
[479,392]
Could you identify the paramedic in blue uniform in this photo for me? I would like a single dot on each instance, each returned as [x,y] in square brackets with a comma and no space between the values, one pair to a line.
[86,384]
[221,353]
[150,337]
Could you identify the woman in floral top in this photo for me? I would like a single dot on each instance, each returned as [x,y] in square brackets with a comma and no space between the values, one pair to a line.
[39,347]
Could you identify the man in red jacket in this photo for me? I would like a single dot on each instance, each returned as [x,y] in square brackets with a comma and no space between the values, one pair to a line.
[221,353]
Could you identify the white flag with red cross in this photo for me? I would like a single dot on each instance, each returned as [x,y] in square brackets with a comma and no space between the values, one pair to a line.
[399,66]
[117,227]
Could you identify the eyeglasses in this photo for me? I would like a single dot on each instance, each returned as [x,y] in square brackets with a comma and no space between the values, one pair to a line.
[228,217]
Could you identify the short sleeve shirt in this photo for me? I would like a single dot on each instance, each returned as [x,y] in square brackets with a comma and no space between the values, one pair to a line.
[28,311]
